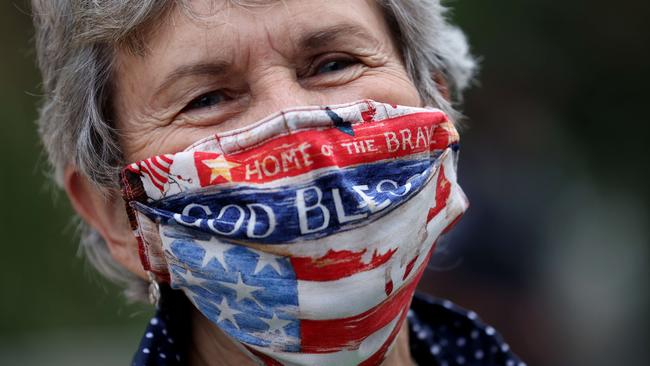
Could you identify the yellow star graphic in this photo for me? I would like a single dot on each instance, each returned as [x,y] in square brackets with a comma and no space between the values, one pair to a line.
[220,167]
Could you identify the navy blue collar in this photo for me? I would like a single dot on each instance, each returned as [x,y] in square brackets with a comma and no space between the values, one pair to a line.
[441,333]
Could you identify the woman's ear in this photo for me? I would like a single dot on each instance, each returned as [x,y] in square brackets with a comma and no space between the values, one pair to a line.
[105,213]
[442,85]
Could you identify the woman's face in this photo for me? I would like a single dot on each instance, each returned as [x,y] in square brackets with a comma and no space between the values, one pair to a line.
[222,67]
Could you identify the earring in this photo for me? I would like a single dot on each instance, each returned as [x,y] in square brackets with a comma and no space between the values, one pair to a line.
[154,290]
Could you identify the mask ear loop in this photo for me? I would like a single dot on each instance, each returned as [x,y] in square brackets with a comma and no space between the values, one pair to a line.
[154,290]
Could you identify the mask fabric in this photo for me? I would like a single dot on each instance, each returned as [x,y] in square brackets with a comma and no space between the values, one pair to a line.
[304,235]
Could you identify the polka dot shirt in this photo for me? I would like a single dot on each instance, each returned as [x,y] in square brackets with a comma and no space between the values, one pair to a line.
[441,334]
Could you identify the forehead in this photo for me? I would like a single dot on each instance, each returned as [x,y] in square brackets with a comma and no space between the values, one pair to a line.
[218,26]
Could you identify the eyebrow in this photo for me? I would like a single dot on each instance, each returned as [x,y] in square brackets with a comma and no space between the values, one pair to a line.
[323,37]
[215,68]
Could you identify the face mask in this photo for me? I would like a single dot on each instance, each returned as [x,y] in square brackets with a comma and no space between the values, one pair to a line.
[302,236]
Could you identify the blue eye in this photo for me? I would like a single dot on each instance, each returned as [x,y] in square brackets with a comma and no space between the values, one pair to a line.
[335,65]
[206,100]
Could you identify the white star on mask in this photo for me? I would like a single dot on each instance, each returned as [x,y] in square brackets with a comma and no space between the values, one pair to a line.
[267,259]
[227,313]
[243,290]
[213,249]
[276,324]
[191,279]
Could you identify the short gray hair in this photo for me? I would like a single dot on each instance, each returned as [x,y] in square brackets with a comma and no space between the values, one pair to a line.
[76,43]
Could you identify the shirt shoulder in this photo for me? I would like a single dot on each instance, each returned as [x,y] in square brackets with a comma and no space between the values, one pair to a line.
[442,333]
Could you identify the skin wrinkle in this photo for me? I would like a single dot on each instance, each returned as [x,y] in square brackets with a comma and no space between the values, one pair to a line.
[213,68]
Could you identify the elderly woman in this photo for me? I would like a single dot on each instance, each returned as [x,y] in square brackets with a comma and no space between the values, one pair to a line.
[287,167]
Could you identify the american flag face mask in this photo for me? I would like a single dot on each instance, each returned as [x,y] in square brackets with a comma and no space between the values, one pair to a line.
[304,235]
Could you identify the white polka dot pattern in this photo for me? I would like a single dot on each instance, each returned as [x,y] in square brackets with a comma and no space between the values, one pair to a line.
[442,333]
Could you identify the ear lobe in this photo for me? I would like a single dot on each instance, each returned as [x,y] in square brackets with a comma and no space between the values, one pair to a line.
[442,85]
[105,213]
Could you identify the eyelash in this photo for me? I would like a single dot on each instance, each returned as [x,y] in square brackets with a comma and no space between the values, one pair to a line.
[346,60]
[202,101]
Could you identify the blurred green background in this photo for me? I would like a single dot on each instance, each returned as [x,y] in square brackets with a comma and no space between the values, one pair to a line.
[553,251]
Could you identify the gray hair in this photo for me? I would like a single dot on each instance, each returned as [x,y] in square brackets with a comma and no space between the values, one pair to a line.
[76,42]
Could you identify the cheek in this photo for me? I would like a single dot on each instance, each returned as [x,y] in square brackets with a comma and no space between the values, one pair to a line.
[393,87]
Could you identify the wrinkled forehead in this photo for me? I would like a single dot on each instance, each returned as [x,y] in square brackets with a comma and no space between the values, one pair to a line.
[282,23]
